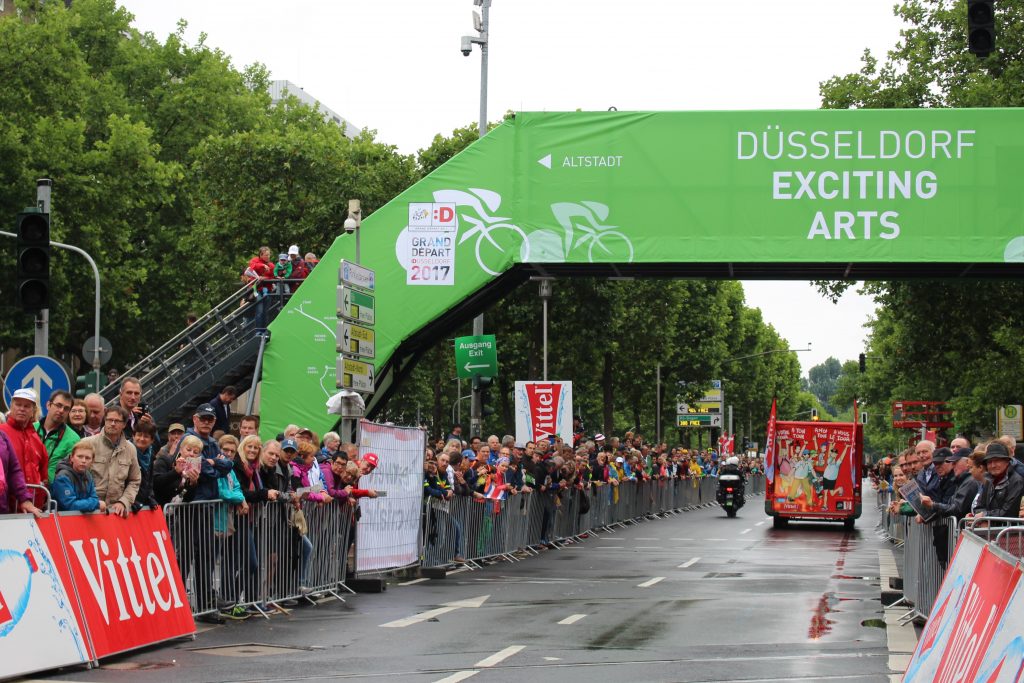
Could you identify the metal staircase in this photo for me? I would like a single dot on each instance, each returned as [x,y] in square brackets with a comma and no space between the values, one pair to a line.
[223,347]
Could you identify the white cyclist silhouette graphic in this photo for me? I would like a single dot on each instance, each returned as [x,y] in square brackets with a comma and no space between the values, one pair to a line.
[495,239]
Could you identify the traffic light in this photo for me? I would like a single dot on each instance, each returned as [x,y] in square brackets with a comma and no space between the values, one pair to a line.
[89,383]
[814,414]
[863,359]
[481,385]
[32,227]
[981,27]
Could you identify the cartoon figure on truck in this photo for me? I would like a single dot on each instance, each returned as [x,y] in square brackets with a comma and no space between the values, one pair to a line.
[814,472]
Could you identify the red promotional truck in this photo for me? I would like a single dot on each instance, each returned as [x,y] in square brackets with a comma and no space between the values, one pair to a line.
[814,472]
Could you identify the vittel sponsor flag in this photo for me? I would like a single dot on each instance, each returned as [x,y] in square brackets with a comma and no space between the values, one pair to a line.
[543,409]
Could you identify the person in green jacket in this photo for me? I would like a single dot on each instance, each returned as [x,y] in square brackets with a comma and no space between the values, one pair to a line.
[57,436]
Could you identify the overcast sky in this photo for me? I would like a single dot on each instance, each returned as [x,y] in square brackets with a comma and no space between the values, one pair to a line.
[396,67]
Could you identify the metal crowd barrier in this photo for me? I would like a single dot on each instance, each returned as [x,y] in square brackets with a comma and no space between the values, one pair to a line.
[259,559]
[927,549]
[50,505]
[466,529]
[756,484]
[1007,533]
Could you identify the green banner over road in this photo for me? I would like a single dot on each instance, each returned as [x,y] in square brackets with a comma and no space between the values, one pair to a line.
[642,189]
[476,356]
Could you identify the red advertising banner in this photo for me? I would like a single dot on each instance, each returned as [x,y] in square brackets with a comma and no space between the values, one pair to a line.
[974,630]
[983,607]
[126,577]
[815,468]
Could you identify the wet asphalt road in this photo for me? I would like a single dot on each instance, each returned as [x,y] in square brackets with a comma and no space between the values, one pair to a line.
[694,597]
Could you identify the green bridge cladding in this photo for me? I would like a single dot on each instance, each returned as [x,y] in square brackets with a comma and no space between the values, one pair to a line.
[801,193]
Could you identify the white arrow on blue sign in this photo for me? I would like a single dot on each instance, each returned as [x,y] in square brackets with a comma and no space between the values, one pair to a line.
[41,373]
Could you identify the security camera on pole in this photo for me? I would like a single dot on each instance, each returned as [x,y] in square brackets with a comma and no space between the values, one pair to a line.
[356,342]
[481,24]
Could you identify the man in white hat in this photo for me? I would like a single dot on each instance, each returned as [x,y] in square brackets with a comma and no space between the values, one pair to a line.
[300,269]
[28,447]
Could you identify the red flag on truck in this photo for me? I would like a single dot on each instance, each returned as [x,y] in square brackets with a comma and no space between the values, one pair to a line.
[769,447]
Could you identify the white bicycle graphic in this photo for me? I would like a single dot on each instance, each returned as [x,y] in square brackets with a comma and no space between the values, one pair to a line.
[499,241]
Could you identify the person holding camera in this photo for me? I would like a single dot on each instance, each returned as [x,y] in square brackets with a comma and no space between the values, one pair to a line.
[130,399]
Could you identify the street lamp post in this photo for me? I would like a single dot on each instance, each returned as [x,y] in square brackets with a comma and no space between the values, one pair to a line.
[481,23]
[545,295]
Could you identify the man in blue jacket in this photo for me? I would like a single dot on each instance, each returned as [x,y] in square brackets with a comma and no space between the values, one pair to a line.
[203,549]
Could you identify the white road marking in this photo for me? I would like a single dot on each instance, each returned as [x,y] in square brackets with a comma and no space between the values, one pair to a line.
[430,614]
[499,657]
[458,676]
[761,522]
[680,539]
[552,659]
[689,563]
[650,582]
[648,547]
[647,539]
[414,581]
[458,571]
[572,619]
[745,531]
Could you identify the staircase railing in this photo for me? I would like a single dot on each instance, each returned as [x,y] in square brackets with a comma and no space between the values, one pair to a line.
[204,354]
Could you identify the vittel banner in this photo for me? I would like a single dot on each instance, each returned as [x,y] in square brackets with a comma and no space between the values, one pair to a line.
[124,572]
[543,410]
[38,627]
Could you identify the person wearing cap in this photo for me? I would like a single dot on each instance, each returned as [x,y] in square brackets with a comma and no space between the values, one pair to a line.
[283,267]
[14,494]
[167,468]
[214,465]
[1003,489]
[966,487]
[306,434]
[368,463]
[300,270]
[115,466]
[28,447]
[58,438]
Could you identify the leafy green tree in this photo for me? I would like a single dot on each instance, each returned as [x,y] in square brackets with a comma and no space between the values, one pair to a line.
[943,340]
[823,379]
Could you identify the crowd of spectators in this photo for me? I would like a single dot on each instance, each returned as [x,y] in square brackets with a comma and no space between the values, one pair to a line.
[110,459]
[954,482]
[497,468]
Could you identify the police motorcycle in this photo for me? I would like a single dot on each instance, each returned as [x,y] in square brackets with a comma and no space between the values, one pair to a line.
[730,486]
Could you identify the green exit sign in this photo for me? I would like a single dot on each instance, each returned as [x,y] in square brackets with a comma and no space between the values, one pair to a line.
[476,356]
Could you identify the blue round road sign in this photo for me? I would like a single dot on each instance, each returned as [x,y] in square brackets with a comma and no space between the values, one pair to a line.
[41,373]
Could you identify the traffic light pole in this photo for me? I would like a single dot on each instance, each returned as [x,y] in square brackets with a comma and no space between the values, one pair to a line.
[476,404]
[42,343]
[96,276]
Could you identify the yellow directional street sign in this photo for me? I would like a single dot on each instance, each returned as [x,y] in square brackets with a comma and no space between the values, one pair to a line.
[355,375]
